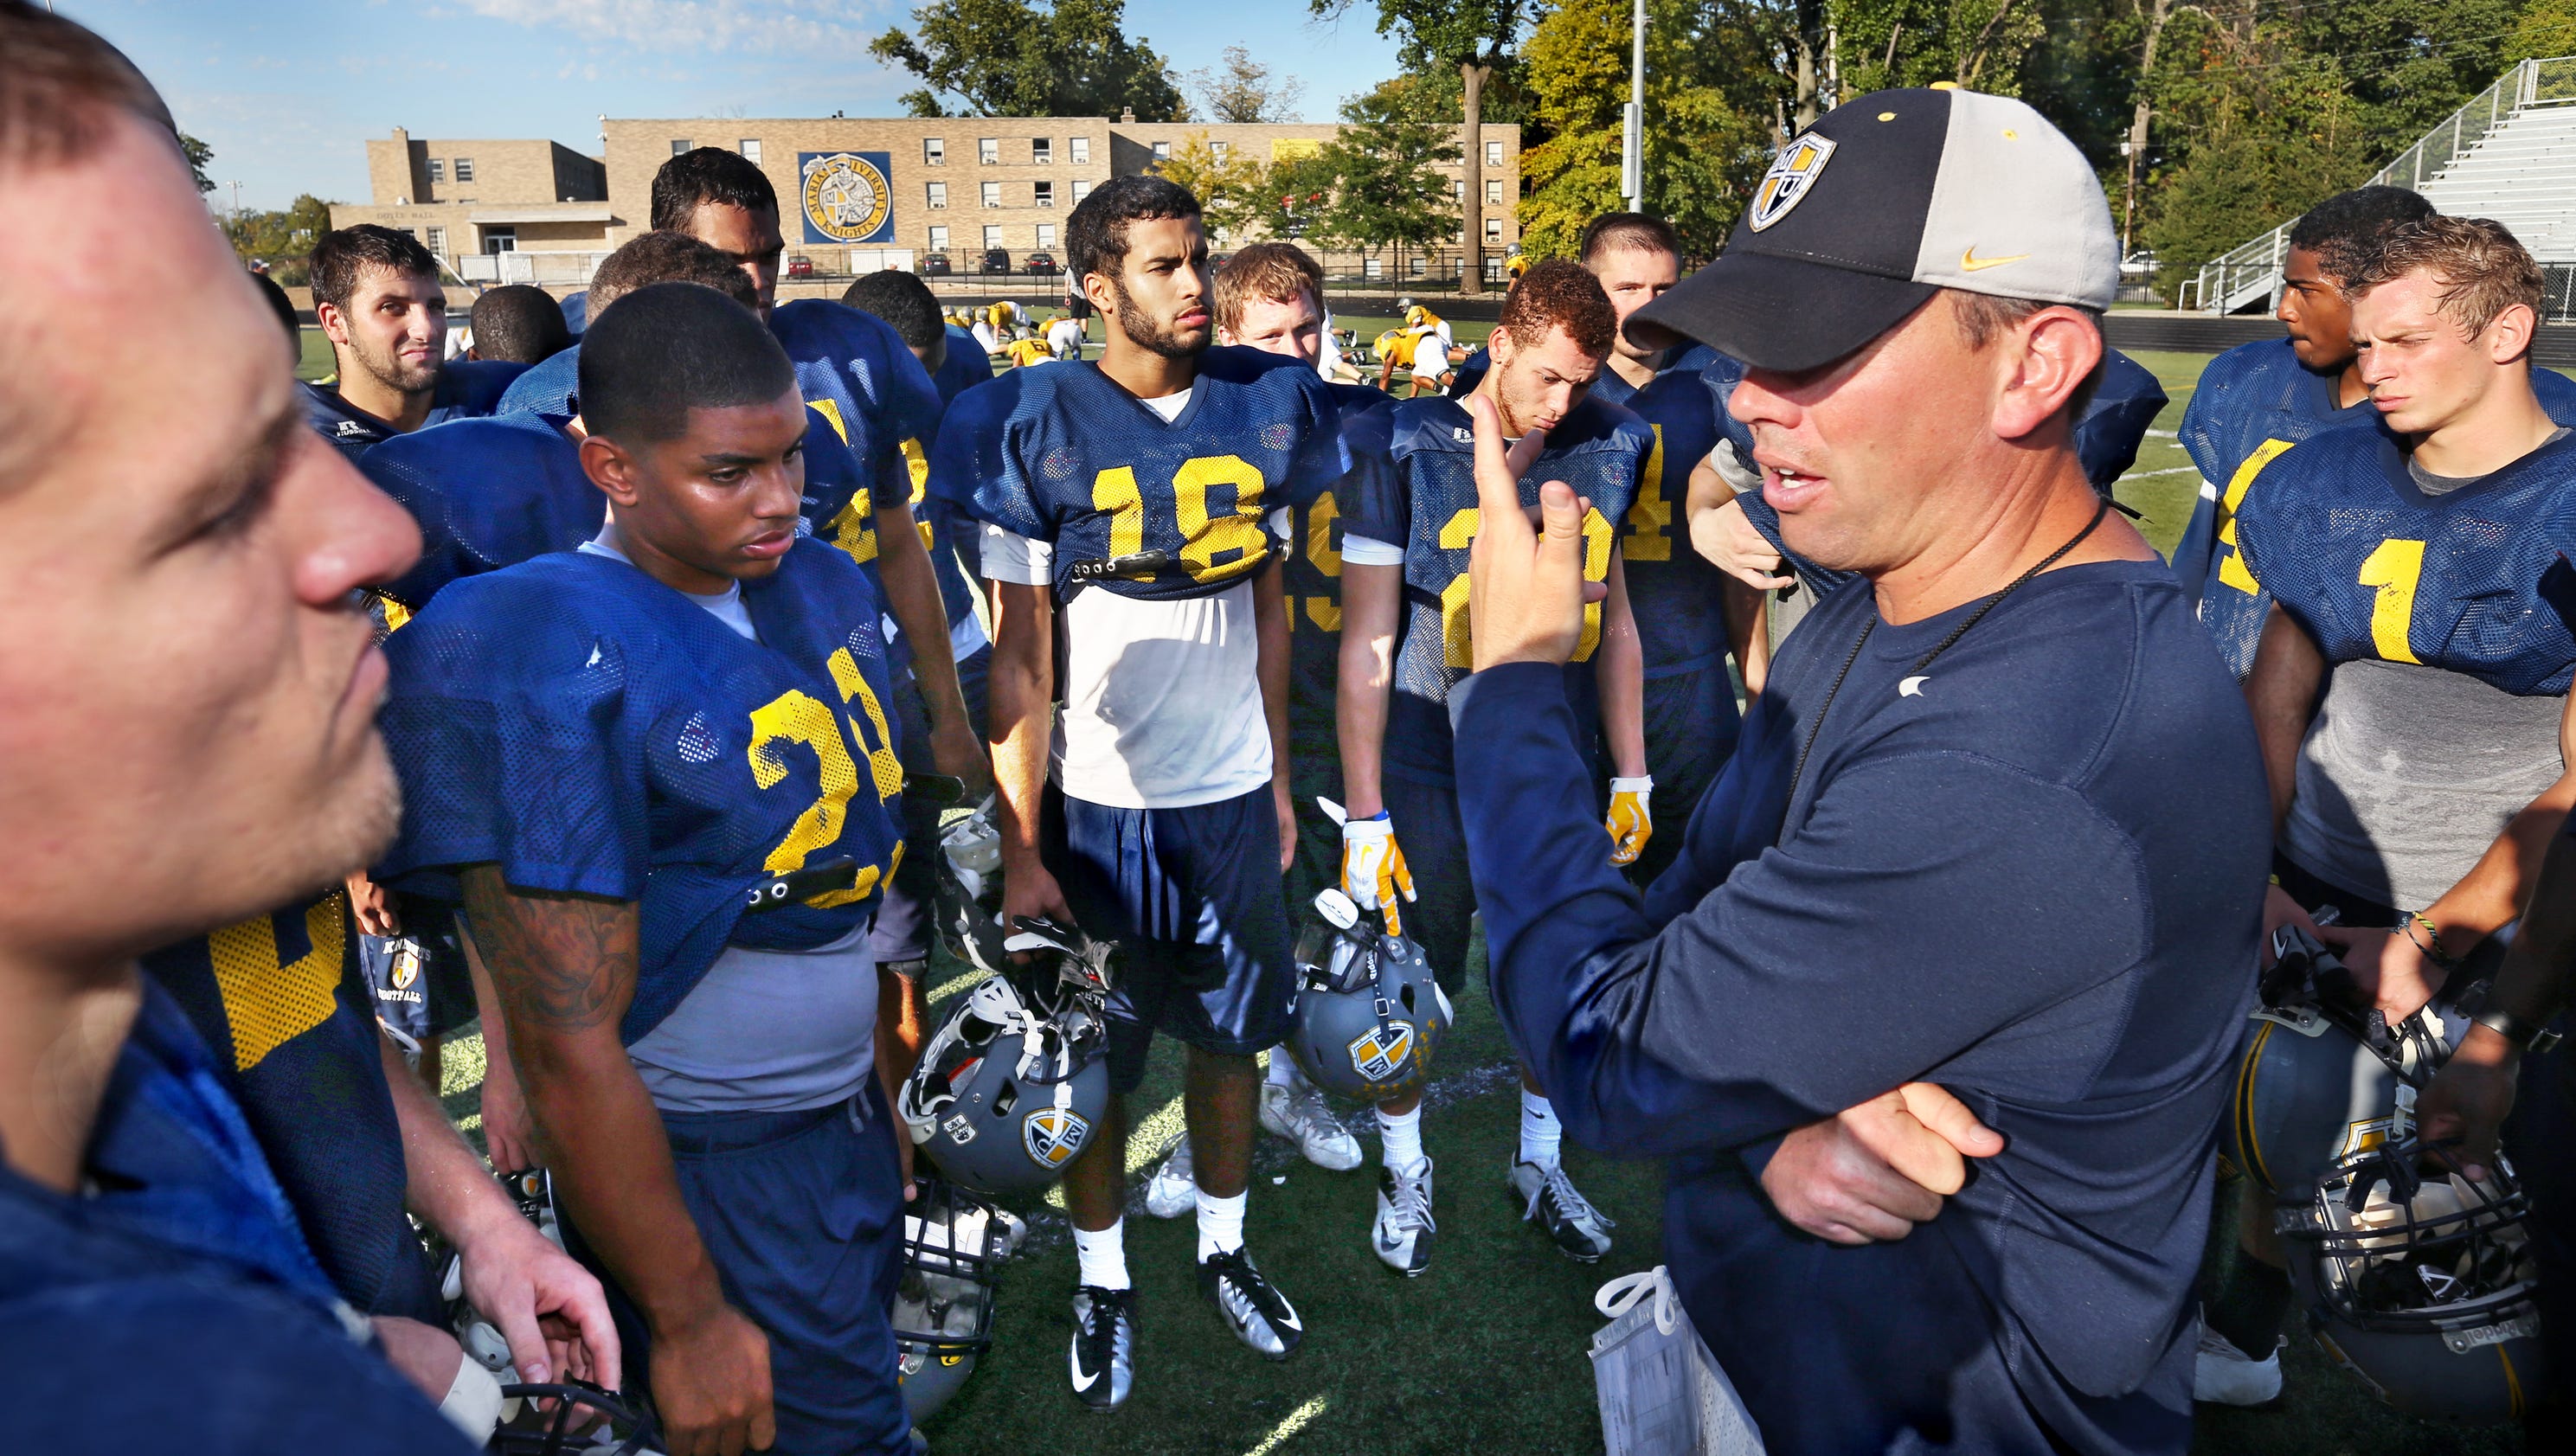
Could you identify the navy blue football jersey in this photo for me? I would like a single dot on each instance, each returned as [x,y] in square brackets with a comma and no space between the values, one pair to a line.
[494,492]
[1673,590]
[2252,403]
[467,389]
[277,1001]
[855,368]
[1413,485]
[551,387]
[2470,581]
[1064,455]
[595,732]
[2115,421]
[1312,578]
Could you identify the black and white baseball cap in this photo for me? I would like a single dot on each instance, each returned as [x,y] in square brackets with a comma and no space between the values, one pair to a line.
[1886,200]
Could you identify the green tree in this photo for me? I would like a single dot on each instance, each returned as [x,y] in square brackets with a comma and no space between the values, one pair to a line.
[1232,190]
[2545,28]
[1388,188]
[1242,90]
[281,239]
[1473,38]
[1706,142]
[198,155]
[1030,58]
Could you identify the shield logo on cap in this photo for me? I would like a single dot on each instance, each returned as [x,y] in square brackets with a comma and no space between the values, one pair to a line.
[1379,1052]
[1793,173]
[1054,1136]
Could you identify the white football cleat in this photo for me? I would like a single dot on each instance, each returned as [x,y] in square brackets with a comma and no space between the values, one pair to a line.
[1301,1115]
[1175,1188]
[2222,1374]
[1549,1199]
[1401,1236]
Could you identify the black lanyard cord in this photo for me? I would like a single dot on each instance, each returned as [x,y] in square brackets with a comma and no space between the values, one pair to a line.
[1973,618]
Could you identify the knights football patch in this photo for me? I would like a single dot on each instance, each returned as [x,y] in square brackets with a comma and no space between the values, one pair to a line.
[1793,174]
[1379,1053]
[1054,1136]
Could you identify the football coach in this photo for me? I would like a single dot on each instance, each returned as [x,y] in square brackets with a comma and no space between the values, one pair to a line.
[1996,824]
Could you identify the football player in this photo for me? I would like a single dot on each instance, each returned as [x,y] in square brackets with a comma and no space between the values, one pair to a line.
[518,324]
[905,932]
[1027,350]
[1269,297]
[659,774]
[1638,259]
[1421,354]
[2410,686]
[220,757]
[1065,336]
[376,295]
[1409,512]
[1133,491]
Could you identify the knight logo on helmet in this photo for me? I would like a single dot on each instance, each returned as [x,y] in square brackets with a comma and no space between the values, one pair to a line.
[1378,1053]
[1002,1057]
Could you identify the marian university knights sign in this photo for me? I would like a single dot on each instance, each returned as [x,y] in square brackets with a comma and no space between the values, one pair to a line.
[846,197]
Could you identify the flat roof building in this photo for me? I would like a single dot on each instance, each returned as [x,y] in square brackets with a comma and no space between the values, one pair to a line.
[856,194]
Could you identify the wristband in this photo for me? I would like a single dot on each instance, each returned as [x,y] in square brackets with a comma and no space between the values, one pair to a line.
[2433,952]
[2524,1035]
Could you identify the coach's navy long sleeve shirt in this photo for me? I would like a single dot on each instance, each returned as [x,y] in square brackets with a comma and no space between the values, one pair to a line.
[2031,872]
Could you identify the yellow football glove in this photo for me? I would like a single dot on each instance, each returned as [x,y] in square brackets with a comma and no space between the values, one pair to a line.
[1373,869]
[1632,822]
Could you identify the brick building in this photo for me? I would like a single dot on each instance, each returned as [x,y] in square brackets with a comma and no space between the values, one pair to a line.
[856,193]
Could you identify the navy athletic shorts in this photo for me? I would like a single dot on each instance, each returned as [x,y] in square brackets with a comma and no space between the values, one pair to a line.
[1440,916]
[802,1213]
[1691,726]
[1194,896]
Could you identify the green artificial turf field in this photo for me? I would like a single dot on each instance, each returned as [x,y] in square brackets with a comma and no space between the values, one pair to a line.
[1484,1353]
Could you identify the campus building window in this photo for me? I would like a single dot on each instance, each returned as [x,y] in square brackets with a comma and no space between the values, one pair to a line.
[1458,190]
[992,194]
[1162,151]
[1042,151]
[1493,193]
[939,240]
[437,169]
[1046,194]
[1217,150]
[1493,230]
[500,240]
[750,149]
[1493,154]
[1081,190]
[1421,265]
[465,169]
[934,151]
[992,235]
[680,145]
[1372,268]
[1046,235]
[988,150]
[939,194]
[1081,151]
[438,241]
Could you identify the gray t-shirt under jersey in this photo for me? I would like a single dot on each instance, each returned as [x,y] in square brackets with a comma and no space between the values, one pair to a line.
[2410,772]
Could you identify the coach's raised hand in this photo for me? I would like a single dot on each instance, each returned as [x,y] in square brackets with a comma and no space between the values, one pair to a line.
[1526,589]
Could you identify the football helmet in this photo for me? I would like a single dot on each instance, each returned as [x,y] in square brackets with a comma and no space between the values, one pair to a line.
[2322,1069]
[969,892]
[1011,1086]
[1369,1012]
[533,1190]
[2419,1280]
[526,1430]
[943,1305]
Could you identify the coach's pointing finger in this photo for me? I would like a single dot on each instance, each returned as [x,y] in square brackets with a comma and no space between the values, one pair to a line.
[1526,587]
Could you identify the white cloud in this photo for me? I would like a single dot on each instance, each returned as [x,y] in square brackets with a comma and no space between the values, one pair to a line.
[808,28]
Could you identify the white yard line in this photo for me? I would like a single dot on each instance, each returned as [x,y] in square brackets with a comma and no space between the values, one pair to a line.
[1298,1420]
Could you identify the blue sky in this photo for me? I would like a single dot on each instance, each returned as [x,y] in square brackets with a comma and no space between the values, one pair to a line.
[286,91]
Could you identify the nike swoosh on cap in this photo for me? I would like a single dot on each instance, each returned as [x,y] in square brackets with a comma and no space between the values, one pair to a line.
[1969,262]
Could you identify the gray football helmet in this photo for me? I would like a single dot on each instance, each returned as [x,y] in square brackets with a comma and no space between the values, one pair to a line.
[1011,1086]
[1369,1012]
[943,1305]
[2323,1071]
[2420,1281]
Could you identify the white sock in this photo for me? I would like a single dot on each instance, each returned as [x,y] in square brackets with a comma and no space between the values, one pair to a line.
[1103,1255]
[1541,1133]
[1220,1223]
[1283,1069]
[1400,1137]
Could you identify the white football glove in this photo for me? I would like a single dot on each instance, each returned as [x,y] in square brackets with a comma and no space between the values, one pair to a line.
[1632,820]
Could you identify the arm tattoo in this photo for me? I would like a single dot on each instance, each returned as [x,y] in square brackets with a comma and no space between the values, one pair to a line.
[558,962]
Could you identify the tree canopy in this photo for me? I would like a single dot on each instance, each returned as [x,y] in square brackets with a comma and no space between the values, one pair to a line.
[1030,58]
[1244,90]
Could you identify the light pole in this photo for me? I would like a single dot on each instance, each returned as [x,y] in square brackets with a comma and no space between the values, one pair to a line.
[1632,146]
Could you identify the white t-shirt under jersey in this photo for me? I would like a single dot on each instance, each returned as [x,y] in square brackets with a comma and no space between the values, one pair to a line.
[1162,699]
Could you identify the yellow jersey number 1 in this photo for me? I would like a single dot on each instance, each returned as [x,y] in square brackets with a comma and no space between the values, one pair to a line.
[1204,537]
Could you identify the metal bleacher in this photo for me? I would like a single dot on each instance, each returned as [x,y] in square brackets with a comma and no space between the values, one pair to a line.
[2509,154]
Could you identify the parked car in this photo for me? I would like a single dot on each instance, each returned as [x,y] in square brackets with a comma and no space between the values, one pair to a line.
[799,266]
[934,265]
[997,260]
[1039,263]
